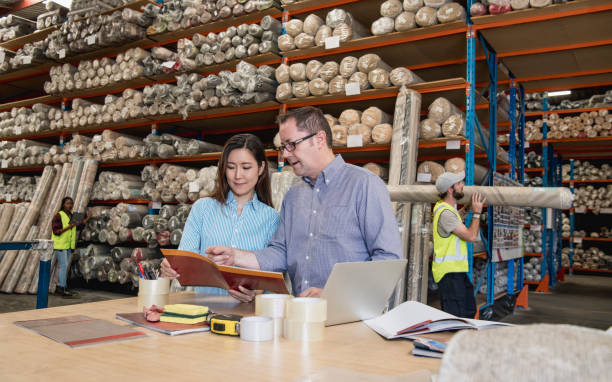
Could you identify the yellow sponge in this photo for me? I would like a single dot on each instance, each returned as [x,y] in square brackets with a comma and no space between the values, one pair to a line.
[182,320]
[186,310]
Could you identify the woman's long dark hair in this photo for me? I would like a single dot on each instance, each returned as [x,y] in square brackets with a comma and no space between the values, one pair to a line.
[64,202]
[255,147]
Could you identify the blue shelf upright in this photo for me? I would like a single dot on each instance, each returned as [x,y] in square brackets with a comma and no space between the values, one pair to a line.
[572,220]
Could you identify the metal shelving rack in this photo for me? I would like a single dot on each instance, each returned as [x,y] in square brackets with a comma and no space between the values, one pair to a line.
[445,58]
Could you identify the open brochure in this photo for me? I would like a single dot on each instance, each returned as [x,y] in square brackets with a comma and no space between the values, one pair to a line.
[413,318]
[198,270]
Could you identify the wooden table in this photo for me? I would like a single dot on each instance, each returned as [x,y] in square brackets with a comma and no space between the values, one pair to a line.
[25,355]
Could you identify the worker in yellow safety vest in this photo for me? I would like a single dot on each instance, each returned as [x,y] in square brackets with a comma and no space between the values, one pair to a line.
[450,262]
[63,233]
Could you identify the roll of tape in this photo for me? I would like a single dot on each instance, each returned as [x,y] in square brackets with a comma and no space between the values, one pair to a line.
[256,328]
[271,305]
[307,309]
[304,331]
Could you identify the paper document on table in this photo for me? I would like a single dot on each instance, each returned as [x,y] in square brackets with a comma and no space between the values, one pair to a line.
[412,318]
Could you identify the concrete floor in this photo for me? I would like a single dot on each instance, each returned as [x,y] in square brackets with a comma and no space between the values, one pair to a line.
[18,302]
[580,300]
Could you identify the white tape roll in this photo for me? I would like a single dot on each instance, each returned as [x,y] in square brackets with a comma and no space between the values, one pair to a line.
[304,331]
[271,305]
[275,306]
[307,309]
[257,328]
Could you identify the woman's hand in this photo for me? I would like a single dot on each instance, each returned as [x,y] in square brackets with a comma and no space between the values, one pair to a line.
[243,295]
[167,271]
[221,255]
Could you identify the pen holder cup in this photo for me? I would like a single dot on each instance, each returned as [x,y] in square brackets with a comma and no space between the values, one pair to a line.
[153,292]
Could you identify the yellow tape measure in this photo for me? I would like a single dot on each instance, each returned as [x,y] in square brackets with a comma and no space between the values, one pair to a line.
[226,324]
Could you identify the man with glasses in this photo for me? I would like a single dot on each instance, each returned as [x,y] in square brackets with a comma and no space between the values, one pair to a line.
[340,213]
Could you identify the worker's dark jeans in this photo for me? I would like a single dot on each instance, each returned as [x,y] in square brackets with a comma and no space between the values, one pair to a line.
[457,295]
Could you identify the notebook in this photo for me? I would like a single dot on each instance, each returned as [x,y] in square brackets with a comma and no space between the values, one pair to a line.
[169,328]
[413,318]
[79,330]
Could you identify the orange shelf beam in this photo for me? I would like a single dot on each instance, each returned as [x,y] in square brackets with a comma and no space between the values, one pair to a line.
[588,181]
[532,254]
[567,111]
[602,239]
[543,17]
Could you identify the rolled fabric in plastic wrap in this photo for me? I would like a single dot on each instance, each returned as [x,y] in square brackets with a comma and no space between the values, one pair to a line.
[405,21]
[322,33]
[426,17]
[542,197]
[412,5]
[383,25]
[377,169]
[312,23]
[339,135]
[382,133]
[434,169]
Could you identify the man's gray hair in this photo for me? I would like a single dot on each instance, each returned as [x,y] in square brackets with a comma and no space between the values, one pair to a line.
[310,119]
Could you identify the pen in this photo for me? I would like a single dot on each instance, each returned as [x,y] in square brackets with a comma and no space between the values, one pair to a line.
[142,272]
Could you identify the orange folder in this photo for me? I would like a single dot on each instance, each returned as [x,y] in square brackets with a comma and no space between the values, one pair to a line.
[198,270]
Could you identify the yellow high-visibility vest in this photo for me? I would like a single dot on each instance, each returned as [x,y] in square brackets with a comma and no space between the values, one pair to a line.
[450,253]
[67,240]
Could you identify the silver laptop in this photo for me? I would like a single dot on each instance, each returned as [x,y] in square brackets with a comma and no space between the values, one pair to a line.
[360,290]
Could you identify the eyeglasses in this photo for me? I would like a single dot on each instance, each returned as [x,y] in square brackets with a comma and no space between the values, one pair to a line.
[290,146]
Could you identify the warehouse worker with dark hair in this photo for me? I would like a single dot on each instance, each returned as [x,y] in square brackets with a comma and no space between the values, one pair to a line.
[450,263]
[64,241]
[338,213]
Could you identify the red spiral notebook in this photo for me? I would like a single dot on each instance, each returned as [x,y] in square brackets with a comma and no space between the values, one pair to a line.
[198,270]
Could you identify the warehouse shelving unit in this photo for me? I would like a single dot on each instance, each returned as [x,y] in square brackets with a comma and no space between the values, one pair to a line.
[442,55]
[578,240]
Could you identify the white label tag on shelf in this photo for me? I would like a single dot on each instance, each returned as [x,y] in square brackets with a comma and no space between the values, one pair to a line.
[535,227]
[453,145]
[578,240]
[131,208]
[9,198]
[606,211]
[354,140]
[18,130]
[4,163]
[156,205]
[332,42]
[352,88]
[194,187]
[96,152]
[27,60]
[526,144]
[72,149]
[97,138]
[423,177]
[91,39]
[2,55]
[549,218]
[61,53]
[580,210]
[169,64]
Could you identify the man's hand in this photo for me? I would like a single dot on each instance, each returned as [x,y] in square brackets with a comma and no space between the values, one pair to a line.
[167,271]
[312,292]
[243,294]
[477,202]
[221,255]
